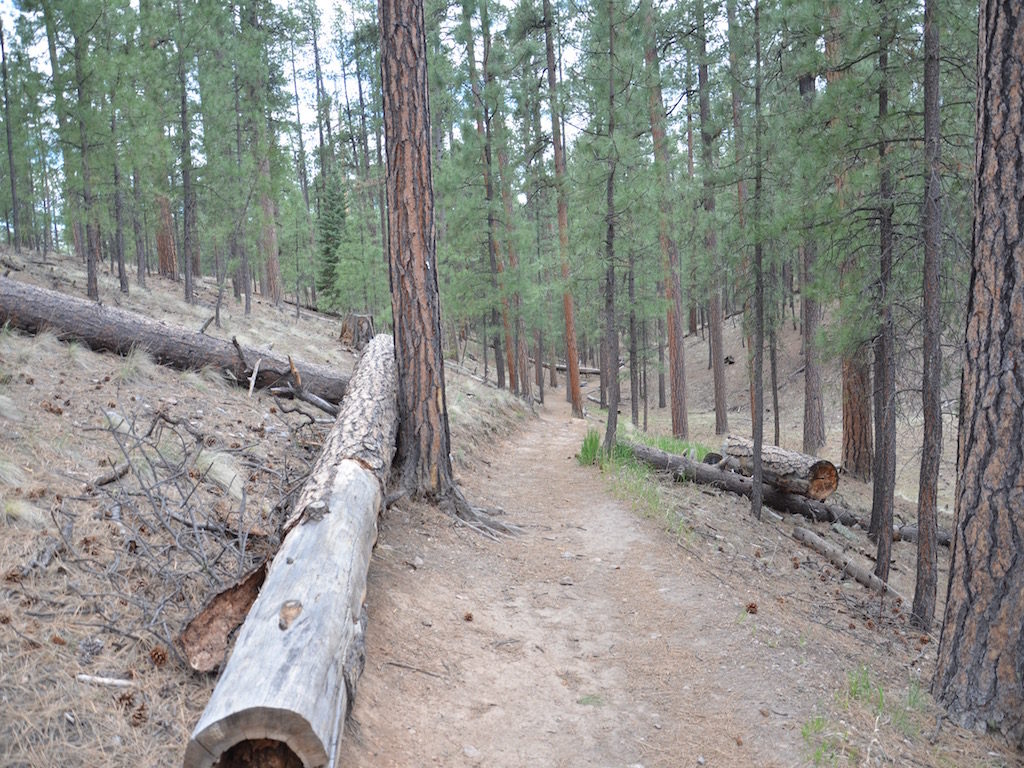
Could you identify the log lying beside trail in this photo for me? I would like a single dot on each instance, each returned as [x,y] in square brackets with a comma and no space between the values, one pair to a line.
[285,690]
[686,469]
[844,561]
[789,471]
[683,468]
[109,329]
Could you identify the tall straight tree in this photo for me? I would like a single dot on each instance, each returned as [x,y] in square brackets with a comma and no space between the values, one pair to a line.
[667,243]
[10,143]
[707,140]
[884,469]
[856,370]
[979,677]
[572,363]
[810,317]
[424,442]
[611,331]
[923,612]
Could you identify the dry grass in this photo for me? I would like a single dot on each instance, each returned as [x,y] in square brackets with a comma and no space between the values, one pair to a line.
[98,579]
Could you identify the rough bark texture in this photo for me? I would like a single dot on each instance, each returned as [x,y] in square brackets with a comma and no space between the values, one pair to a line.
[166,250]
[424,447]
[710,238]
[979,677]
[857,454]
[299,654]
[884,468]
[810,319]
[571,353]
[611,330]
[114,330]
[788,470]
[10,145]
[669,249]
[923,613]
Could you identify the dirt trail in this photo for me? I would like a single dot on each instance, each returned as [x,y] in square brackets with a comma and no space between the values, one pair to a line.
[592,639]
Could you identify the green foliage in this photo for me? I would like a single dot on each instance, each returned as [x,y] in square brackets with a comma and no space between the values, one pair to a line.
[591,448]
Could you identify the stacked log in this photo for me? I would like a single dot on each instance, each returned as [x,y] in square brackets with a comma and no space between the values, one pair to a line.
[283,695]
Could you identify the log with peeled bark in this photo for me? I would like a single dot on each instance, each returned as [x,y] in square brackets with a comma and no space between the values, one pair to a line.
[683,468]
[109,329]
[844,561]
[788,471]
[285,690]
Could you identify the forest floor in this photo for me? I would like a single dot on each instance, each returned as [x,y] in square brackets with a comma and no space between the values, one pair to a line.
[634,622]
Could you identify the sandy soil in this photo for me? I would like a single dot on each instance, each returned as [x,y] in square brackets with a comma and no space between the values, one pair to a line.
[599,638]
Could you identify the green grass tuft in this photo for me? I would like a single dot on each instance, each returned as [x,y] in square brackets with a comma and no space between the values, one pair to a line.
[591,448]
[688,448]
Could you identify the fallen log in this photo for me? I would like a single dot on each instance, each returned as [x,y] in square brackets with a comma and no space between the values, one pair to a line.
[109,329]
[683,468]
[285,690]
[909,533]
[843,560]
[789,471]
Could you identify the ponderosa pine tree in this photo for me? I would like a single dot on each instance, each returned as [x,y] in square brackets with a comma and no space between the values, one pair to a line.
[923,612]
[979,677]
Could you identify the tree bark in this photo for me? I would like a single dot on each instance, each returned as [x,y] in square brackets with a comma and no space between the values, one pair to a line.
[10,144]
[979,677]
[856,376]
[756,354]
[571,353]
[669,249]
[884,469]
[710,238]
[611,330]
[842,560]
[424,448]
[110,329]
[788,470]
[92,238]
[923,613]
[293,673]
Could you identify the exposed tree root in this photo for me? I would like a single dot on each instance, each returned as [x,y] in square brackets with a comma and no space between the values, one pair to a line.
[483,521]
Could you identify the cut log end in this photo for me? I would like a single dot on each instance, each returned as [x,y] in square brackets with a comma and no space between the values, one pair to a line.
[822,480]
[257,737]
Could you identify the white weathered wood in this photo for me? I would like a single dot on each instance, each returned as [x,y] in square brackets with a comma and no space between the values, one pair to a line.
[300,651]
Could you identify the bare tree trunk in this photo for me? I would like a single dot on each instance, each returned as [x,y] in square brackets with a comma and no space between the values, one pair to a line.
[611,331]
[810,319]
[710,238]
[757,488]
[424,443]
[634,344]
[669,249]
[923,613]
[571,354]
[140,240]
[979,677]
[884,469]
[188,194]
[10,144]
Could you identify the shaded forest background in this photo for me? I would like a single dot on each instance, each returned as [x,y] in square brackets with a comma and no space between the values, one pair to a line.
[165,138]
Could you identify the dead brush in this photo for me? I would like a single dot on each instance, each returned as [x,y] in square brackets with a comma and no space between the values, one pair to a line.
[169,527]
